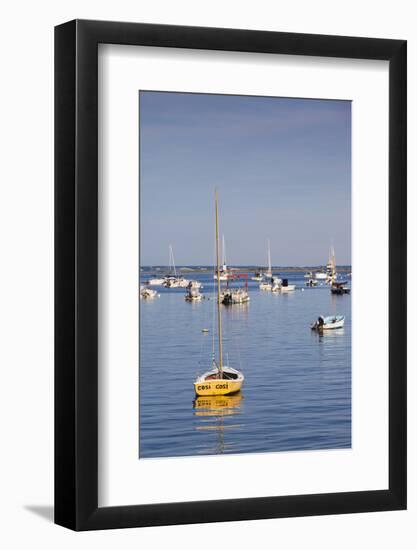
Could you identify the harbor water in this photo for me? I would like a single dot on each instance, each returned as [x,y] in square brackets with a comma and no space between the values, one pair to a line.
[297,390]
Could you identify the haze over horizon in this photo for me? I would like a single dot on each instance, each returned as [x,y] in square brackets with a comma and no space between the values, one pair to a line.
[282,168]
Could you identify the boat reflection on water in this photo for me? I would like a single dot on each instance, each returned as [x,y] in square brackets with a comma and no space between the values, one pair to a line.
[213,412]
[328,334]
[217,405]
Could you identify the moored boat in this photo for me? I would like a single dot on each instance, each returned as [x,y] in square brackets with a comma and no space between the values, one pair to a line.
[235,296]
[215,383]
[268,272]
[173,280]
[147,293]
[155,282]
[339,287]
[193,295]
[329,322]
[331,266]
[258,276]
[224,272]
[281,285]
[276,284]
[221,379]
[268,280]
[231,296]
[266,285]
[194,284]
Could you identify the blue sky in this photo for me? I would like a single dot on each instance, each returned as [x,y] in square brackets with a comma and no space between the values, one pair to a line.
[282,168]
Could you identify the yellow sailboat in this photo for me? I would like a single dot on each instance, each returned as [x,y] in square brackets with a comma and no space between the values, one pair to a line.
[221,379]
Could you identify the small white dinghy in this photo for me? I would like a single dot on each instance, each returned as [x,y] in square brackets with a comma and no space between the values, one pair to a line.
[329,322]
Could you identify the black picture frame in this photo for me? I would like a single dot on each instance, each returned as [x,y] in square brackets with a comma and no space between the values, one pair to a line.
[76,273]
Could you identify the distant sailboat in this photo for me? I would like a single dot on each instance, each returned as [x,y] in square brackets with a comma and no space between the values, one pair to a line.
[224,272]
[331,266]
[268,283]
[268,273]
[221,379]
[172,280]
[330,274]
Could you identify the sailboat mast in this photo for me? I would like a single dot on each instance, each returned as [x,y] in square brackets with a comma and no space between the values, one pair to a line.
[269,257]
[171,260]
[332,261]
[219,315]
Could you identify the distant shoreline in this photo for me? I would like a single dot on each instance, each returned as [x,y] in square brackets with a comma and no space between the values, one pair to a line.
[246,269]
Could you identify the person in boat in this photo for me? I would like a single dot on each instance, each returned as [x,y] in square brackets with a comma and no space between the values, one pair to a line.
[320,321]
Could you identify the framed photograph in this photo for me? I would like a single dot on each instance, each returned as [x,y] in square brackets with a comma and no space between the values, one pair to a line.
[230,244]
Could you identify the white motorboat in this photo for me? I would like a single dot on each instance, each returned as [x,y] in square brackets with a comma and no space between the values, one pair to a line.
[285,287]
[280,285]
[328,323]
[147,293]
[276,284]
[193,295]
[288,288]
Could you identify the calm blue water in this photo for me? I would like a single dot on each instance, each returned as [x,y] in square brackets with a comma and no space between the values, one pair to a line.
[297,390]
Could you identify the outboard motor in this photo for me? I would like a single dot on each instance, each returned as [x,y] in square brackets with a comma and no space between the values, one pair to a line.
[284,282]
